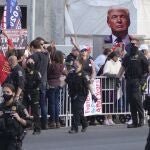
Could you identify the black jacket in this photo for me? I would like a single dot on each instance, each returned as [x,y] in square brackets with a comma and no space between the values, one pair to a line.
[77,84]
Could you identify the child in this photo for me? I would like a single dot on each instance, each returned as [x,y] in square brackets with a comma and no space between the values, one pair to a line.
[78,91]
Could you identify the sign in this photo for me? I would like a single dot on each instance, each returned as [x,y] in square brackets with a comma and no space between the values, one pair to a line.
[90,107]
[13,15]
[19,38]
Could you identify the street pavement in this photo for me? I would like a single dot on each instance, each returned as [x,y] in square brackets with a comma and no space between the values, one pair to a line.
[101,137]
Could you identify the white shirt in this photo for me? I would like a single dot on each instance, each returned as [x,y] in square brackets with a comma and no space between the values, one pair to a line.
[112,67]
[99,61]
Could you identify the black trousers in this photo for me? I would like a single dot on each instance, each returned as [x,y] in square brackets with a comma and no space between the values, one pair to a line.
[7,143]
[31,98]
[134,97]
[78,112]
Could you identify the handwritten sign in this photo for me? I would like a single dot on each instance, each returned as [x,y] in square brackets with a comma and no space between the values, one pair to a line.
[90,107]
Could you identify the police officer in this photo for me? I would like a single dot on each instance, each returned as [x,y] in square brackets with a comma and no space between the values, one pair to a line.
[135,66]
[16,77]
[78,91]
[13,121]
[31,93]
[41,59]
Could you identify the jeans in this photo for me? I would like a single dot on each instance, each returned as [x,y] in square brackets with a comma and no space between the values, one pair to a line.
[43,102]
[53,103]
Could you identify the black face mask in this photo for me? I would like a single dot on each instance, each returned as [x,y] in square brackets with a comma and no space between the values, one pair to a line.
[7,97]
[134,51]
[30,66]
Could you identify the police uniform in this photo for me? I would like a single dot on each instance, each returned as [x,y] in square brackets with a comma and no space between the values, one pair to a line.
[17,77]
[12,132]
[135,67]
[78,91]
[31,96]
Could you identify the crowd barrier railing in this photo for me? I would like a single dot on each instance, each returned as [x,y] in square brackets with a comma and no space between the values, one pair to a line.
[113,95]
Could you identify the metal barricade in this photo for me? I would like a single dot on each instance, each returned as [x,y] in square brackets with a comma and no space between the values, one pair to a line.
[113,96]
[111,102]
[65,106]
[114,100]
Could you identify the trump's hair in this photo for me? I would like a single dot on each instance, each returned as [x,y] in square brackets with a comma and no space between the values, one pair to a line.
[123,9]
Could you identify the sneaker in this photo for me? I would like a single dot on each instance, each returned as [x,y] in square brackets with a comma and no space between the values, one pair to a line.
[132,125]
[111,123]
[94,98]
[106,122]
[129,122]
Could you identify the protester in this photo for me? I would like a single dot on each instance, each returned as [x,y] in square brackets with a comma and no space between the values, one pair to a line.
[111,69]
[89,70]
[100,60]
[55,70]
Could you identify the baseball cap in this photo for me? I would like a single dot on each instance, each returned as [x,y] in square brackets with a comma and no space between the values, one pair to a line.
[85,47]
[143,47]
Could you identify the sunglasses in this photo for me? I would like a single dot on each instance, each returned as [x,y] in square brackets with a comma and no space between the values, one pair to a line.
[83,50]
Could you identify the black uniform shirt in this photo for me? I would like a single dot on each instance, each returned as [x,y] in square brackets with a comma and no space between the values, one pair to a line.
[10,124]
[41,60]
[77,84]
[17,77]
[32,80]
[135,66]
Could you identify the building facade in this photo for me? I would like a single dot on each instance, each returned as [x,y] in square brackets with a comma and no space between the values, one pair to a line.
[43,18]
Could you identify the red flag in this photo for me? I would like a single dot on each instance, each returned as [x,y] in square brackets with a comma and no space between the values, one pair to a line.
[4,68]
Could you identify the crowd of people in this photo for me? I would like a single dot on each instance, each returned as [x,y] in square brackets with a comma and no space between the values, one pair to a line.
[38,73]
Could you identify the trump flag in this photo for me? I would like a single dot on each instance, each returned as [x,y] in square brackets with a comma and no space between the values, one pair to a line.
[12,15]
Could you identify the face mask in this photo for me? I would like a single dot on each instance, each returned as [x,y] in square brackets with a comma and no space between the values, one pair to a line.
[30,66]
[134,50]
[7,97]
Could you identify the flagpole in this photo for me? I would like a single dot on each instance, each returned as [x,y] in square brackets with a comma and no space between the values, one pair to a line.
[33,19]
